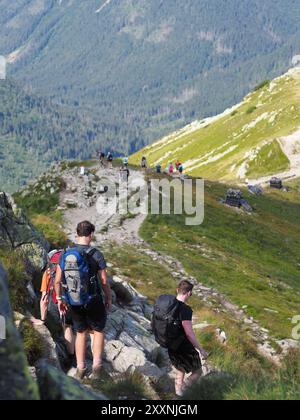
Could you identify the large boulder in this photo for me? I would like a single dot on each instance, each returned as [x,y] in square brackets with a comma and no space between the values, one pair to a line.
[122,357]
[16,232]
[15,380]
[56,386]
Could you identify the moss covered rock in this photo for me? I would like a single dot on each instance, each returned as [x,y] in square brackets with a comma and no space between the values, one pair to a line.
[56,386]
[15,381]
[16,232]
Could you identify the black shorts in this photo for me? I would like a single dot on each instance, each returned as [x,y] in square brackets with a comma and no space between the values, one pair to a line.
[68,321]
[91,317]
[186,358]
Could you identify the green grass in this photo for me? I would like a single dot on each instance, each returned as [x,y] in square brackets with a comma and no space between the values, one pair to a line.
[244,373]
[252,259]
[17,278]
[40,203]
[34,346]
[269,156]
[280,385]
[128,386]
[219,150]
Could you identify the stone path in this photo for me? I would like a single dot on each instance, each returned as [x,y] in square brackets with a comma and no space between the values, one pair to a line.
[84,192]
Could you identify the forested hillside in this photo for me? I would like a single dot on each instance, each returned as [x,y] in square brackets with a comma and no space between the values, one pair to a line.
[34,133]
[146,67]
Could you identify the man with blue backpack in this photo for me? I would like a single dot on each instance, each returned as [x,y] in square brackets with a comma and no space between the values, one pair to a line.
[80,280]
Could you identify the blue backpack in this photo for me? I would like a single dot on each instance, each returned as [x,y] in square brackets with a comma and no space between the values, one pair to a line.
[80,276]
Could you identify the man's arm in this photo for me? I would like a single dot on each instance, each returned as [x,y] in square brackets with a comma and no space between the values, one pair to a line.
[106,288]
[57,288]
[188,329]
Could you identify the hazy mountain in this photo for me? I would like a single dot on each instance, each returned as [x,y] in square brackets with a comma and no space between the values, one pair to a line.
[146,67]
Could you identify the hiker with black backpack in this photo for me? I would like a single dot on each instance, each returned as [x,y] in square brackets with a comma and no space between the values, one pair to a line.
[80,279]
[173,330]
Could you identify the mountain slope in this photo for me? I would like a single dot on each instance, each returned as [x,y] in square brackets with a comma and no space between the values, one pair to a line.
[146,67]
[256,138]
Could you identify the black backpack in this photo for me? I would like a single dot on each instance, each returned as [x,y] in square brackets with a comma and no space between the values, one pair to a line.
[166,325]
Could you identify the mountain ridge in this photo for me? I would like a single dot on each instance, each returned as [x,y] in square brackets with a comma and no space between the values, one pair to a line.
[255,139]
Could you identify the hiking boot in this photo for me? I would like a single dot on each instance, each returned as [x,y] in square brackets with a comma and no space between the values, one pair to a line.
[80,374]
[96,374]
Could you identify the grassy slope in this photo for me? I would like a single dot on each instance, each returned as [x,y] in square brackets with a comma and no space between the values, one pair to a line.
[219,149]
[247,374]
[253,259]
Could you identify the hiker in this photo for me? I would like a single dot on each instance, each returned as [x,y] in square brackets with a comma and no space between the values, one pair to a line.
[101,158]
[125,161]
[177,164]
[80,279]
[171,169]
[173,329]
[124,174]
[180,169]
[110,159]
[158,169]
[49,296]
[144,164]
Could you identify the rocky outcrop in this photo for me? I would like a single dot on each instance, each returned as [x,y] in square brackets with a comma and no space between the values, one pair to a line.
[15,380]
[17,233]
[56,386]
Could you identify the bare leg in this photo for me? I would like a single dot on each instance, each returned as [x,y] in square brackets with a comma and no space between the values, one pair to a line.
[44,306]
[69,337]
[92,336]
[98,349]
[80,346]
[195,376]
[179,383]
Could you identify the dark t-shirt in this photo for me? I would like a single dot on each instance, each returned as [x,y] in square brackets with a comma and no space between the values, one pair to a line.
[97,256]
[185,313]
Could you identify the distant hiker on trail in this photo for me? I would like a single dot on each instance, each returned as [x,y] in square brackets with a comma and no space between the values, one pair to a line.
[144,164]
[124,174]
[110,159]
[171,169]
[101,159]
[158,169]
[80,279]
[173,329]
[180,169]
[177,164]
[49,297]
[125,161]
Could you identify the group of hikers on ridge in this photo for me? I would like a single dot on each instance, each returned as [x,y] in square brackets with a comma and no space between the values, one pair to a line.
[171,169]
[124,171]
[76,282]
[109,159]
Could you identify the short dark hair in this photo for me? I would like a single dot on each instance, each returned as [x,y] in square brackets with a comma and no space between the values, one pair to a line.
[185,287]
[85,229]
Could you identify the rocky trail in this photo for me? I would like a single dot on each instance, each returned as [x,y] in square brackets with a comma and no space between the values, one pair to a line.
[130,345]
[124,231]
